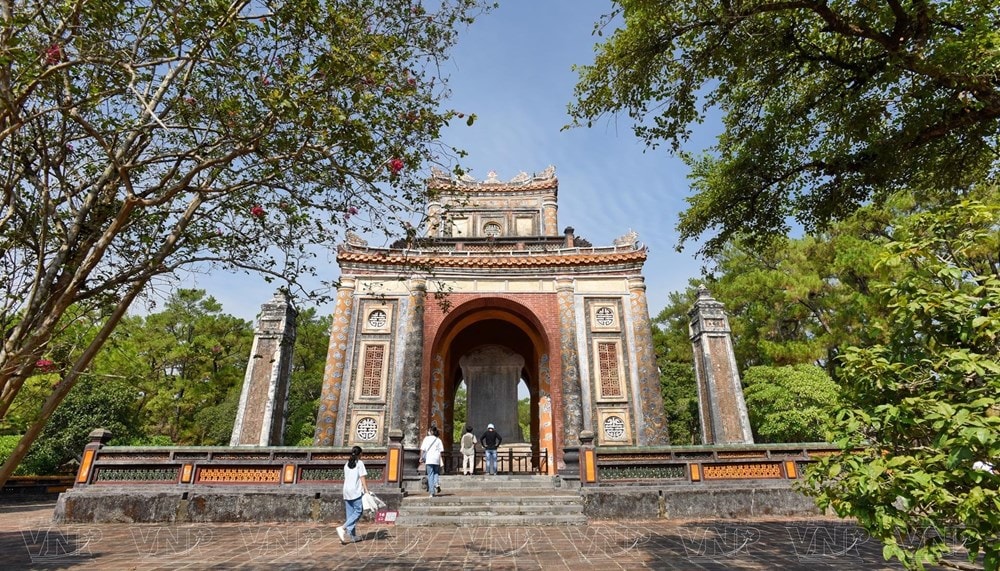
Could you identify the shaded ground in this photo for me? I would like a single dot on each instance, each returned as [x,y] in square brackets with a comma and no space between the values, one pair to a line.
[28,540]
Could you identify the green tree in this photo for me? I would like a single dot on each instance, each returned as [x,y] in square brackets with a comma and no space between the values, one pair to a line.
[312,336]
[185,362]
[680,402]
[95,402]
[825,105]
[924,405]
[790,404]
[460,415]
[142,138]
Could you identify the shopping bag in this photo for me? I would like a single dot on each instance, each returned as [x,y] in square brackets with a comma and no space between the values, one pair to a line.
[371,503]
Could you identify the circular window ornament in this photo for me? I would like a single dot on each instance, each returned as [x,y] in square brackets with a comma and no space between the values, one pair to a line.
[492,229]
[614,428]
[377,319]
[367,429]
[605,316]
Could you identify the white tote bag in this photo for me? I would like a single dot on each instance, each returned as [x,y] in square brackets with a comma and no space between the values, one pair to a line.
[371,503]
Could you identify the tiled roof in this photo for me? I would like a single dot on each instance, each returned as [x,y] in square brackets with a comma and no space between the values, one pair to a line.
[572,258]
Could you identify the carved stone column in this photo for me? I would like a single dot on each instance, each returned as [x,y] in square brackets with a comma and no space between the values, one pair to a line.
[572,408]
[550,219]
[260,418]
[650,418]
[336,357]
[407,402]
[724,418]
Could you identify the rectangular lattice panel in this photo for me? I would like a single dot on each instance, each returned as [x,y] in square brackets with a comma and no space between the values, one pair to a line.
[271,475]
[749,471]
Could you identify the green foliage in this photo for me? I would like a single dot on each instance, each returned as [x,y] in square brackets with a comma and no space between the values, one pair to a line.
[143,138]
[674,358]
[309,362]
[825,105]
[680,402]
[524,417]
[7,444]
[925,403]
[460,415]
[790,404]
[187,363]
[95,402]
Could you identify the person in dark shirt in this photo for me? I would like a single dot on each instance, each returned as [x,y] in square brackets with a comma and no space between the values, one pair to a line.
[491,440]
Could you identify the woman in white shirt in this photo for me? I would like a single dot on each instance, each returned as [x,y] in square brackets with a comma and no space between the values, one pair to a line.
[355,486]
[430,450]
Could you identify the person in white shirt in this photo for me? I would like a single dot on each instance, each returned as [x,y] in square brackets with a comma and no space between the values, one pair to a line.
[430,450]
[355,486]
[468,451]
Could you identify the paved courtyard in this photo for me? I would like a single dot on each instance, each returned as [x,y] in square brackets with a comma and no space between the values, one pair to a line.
[29,540]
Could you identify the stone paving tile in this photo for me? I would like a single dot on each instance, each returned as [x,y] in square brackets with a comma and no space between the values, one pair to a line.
[28,540]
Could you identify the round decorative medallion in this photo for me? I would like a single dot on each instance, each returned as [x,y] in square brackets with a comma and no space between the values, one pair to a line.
[377,319]
[614,428]
[492,229]
[367,429]
[605,316]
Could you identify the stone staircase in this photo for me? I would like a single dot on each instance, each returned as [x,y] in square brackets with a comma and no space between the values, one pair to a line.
[494,501]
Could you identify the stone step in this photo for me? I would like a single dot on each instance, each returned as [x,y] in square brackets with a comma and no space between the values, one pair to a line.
[491,509]
[414,520]
[445,501]
[500,481]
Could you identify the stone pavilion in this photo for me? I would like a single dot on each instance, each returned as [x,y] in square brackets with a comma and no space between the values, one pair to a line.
[493,296]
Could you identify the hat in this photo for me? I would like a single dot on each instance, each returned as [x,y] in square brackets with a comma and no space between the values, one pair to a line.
[489,426]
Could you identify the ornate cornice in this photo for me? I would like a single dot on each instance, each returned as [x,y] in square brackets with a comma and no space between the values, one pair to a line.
[441,180]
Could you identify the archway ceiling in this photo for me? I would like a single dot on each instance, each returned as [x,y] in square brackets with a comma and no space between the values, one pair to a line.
[492,332]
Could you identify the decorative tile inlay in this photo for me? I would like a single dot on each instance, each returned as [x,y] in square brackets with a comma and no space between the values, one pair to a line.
[674,472]
[572,405]
[241,475]
[333,376]
[105,474]
[741,471]
[652,429]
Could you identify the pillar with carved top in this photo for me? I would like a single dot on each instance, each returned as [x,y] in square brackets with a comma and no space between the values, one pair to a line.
[260,418]
[724,418]
[650,417]
[336,357]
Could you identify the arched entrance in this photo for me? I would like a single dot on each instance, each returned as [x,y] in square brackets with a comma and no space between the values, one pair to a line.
[492,345]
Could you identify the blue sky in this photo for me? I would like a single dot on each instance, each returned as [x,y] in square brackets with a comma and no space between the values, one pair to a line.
[513,69]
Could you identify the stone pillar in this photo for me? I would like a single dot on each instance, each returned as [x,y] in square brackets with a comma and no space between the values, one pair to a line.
[572,407]
[260,418]
[649,416]
[724,418]
[406,405]
[336,357]
[491,376]
[434,221]
[550,220]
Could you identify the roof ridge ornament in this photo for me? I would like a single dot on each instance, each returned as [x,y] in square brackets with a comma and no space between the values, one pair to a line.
[629,239]
[522,178]
[355,240]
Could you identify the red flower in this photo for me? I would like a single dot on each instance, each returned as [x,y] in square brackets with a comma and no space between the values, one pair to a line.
[257,211]
[396,165]
[45,364]
[412,82]
[352,211]
[53,54]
